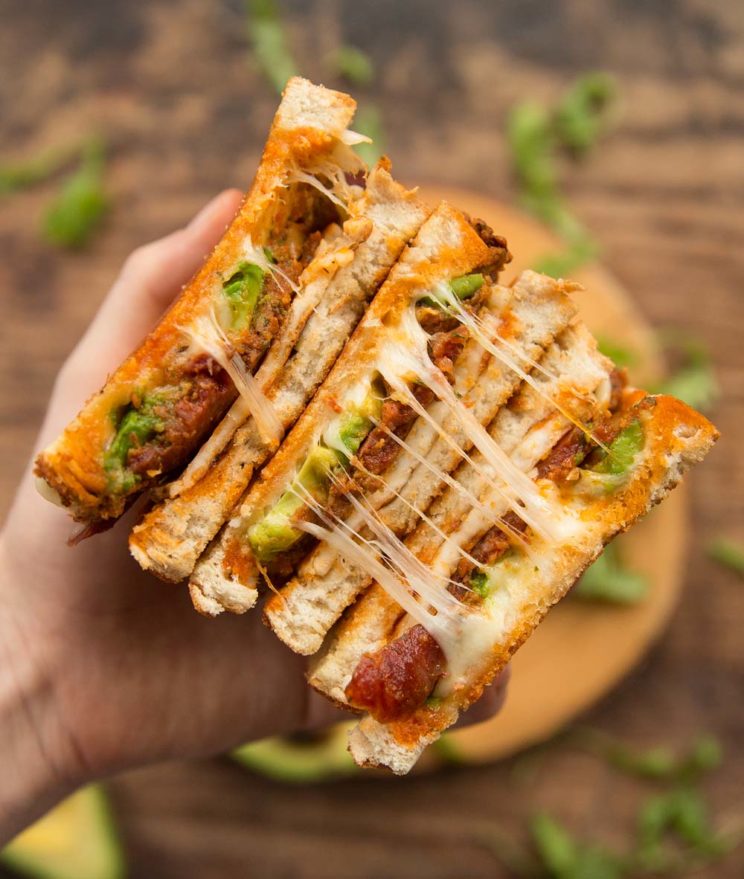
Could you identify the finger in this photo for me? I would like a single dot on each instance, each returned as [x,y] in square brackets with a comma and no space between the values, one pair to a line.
[151,278]
[489,704]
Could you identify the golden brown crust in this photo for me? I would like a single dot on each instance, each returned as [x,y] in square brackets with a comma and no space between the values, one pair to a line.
[676,438]
[73,464]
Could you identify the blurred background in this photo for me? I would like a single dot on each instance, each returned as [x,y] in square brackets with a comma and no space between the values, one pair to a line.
[159,105]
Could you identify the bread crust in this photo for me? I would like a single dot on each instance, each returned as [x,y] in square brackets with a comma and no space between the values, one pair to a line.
[676,438]
[308,124]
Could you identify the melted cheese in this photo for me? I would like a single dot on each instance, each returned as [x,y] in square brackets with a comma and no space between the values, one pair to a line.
[206,335]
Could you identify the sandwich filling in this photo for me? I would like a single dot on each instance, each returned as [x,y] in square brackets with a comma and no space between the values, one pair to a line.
[424,660]
[157,431]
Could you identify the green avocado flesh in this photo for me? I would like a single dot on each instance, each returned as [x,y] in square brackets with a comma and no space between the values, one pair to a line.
[241,291]
[136,427]
[297,761]
[466,285]
[274,532]
[479,583]
[76,840]
[463,287]
[622,451]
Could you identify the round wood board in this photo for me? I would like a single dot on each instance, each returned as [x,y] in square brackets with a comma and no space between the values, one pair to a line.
[582,649]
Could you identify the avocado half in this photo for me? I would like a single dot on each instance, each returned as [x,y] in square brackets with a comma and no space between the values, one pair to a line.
[301,758]
[76,840]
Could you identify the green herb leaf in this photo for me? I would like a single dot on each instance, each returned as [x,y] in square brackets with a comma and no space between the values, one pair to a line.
[555,847]
[22,175]
[368,121]
[619,354]
[728,553]
[269,43]
[610,581]
[535,136]
[563,263]
[354,65]
[681,813]
[584,112]
[695,381]
[80,204]
[659,763]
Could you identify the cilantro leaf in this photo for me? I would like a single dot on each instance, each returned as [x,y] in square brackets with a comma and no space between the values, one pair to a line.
[22,175]
[78,208]
[534,136]
[269,43]
[608,580]
[695,381]
[353,65]
[368,121]
[583,113]
[660,763]
[619,354]
[728,553]
[565,858]
[562,263]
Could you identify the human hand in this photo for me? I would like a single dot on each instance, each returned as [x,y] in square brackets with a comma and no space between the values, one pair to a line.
[103,667]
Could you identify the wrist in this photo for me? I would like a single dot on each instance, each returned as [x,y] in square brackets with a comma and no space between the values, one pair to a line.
[37,766]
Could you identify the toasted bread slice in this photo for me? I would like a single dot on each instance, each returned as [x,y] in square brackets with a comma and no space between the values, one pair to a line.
[160,404]
[346,274]
[589,510]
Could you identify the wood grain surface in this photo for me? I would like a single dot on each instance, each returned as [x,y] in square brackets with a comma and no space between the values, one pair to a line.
[172,88]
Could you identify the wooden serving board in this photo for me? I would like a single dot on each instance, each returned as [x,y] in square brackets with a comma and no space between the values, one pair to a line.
[582,649]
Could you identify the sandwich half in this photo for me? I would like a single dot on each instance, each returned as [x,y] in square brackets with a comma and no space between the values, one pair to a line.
[344,274]
[247,304]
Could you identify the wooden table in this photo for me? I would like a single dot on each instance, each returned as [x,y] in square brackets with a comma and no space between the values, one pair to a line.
[172,88]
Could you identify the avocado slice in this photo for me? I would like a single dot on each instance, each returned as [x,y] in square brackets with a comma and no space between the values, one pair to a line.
[76,840]
[134,428]
[241,291]
[274,533]
[622,450]
[301,759]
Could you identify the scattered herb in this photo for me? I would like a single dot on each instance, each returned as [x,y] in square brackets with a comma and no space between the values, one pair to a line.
[76,211]
[619,354]
[269,43]
[563,263]
[368,121]
[21,175]
[695,381]
[728,553]
[659,763]
[535,136]
[353,65]
[680,813]
[609,580]
[584,113]
[563,857]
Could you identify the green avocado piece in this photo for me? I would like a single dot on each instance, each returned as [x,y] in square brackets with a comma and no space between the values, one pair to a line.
[467,285]
[274,533]
[357,423]
[479,583]
[622,450]
[76,840]
[301,760]
[241,291]
[136,427]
